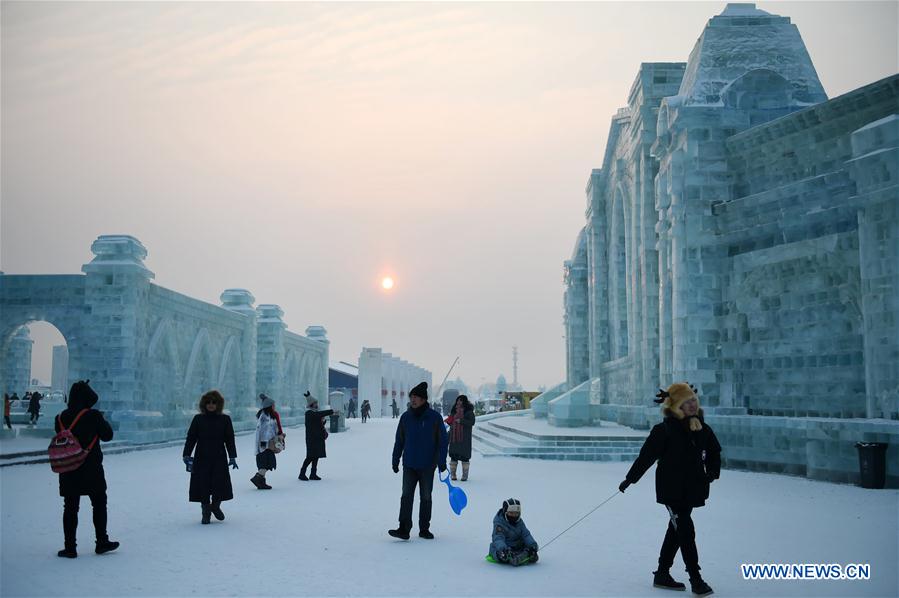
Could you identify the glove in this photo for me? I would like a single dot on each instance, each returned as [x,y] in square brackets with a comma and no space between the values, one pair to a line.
[504,555]
[532,554]
[189,463]
[396,468]
[442,467]
[623,485]
[233,463]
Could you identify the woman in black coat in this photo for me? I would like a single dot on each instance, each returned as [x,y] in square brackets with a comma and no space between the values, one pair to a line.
[89,479]
[461,421]
[212,433]
[689,459]
[315,437]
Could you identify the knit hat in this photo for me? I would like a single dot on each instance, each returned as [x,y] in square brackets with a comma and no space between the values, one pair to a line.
[420,391]
[676,395]
[310,400]
[266,402]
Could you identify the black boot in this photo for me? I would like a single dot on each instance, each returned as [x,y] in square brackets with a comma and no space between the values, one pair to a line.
[426,534]
[216,509]
[662,579]
[400,533]
[104,546]
[207,513]
[303,477]
[314,476]
[699,586]
[68,553]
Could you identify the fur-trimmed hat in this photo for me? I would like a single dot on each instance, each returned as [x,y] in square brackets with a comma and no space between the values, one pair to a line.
[674,397]
[420,390]
[511,505]
[310,400]
[217,399]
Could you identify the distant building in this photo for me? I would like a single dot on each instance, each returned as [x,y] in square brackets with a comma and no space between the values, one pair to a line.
[344,377]
[384,377]
[60,369]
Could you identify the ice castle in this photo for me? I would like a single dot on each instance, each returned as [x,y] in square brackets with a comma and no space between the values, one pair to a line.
[150,352]
[743,234]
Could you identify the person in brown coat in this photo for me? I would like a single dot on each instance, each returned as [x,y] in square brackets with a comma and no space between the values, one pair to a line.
[89,479]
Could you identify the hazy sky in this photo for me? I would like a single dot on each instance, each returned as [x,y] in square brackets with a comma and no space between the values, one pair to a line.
[303,150]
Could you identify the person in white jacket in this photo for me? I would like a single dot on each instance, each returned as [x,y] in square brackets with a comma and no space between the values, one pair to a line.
[266,430]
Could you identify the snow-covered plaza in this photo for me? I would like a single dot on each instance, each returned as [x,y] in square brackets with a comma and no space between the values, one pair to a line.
[329,538]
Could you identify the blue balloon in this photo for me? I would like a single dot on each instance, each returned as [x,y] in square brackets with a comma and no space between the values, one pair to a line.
[457,498]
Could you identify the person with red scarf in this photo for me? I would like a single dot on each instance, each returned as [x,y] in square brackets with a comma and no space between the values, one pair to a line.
[461,420]
[277,416]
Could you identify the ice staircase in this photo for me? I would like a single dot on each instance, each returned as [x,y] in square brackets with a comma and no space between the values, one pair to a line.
[494,438]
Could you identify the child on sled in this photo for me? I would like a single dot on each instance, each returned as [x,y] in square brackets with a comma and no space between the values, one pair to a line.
[512,542]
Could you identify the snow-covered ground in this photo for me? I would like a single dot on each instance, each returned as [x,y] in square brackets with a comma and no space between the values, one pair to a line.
[329,537]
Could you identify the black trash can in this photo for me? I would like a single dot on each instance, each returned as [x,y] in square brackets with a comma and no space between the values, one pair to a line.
[334,424]
[872,464]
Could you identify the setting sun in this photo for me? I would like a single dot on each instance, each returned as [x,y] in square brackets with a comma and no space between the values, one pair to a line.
[387,283]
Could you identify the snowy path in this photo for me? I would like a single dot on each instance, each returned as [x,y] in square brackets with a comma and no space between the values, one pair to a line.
[329,537]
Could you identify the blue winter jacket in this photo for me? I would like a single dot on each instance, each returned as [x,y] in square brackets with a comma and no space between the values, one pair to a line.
[421,440]
[513,536]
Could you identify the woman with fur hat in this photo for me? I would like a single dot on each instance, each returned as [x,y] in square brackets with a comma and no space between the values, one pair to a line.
[689,459]
[460,421]
[315,437]
[266,430]
[211,433]
[90,427]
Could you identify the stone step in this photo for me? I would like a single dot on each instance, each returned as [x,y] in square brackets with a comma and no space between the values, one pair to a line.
[492,443]
[561,450]
[622,457]
[568,438]
[497,433]
[494,439]
[491,447]
[547,441]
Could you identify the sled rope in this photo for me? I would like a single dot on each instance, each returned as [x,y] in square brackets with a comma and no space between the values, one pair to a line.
[579,520]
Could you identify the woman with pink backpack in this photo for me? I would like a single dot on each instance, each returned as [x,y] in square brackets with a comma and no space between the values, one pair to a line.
[89,427]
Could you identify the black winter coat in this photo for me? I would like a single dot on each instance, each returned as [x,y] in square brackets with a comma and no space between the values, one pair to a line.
[89,478]
[461,450]
[687,462]
[315,433]
[212,434]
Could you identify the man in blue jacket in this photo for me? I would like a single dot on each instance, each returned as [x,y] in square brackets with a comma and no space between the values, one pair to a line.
[421,441]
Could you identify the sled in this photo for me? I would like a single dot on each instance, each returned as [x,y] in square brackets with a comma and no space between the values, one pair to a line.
[457,498]
[523,559]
